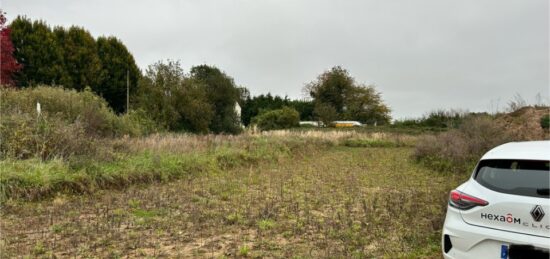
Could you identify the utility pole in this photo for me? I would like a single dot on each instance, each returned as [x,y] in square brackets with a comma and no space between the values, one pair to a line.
[127,90]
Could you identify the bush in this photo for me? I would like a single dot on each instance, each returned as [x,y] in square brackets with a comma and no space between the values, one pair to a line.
[278,119]
[458,150]
[70,123]
[439,119]
[136,123]
[68,105]
[545,121]
[25,137]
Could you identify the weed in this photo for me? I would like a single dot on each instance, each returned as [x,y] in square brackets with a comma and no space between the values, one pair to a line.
[266,224]
[234,218]
[244,251]
[38,249]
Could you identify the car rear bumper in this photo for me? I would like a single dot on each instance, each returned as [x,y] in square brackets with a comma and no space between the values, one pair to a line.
[468,241]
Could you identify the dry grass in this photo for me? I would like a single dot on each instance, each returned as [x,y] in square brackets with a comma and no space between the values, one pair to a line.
[338,137]
[459,149]
[189,143]
[180,143]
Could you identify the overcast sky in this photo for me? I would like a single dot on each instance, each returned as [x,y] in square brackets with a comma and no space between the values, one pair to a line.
[421,55]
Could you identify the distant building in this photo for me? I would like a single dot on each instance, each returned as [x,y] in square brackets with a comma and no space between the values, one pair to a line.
[311,123]
[238,113]
[346,124]
[238,110]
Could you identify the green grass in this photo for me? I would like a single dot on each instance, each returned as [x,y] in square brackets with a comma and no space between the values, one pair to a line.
[321,201]
[266,224]
[34,179]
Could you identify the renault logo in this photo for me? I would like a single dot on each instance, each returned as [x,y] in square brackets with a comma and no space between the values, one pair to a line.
[537,213]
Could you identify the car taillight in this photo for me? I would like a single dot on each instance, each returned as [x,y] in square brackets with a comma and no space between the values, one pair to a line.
[464,201]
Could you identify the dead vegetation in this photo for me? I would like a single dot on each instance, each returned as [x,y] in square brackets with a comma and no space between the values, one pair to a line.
[458,150]
[525,123]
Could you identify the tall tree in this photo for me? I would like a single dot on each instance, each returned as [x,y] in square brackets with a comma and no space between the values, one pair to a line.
[332,87]
[364,104]
[304,107]
[8,64]
[80,55]
[336,95]
[173,101]
[38,51]
[116,64]
[222,95]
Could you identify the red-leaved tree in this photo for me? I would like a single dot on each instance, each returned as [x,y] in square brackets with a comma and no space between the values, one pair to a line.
[8,64]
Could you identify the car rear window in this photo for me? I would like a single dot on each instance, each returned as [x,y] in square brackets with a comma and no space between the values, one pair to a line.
[520,177]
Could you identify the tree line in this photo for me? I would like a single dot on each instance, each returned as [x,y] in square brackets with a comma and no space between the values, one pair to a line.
[202,100]
[73,58]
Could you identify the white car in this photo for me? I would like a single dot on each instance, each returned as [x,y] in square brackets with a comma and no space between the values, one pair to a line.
[503,210]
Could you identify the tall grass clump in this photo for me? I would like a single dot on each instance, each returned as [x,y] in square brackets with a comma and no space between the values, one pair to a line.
[68,123]
[90,110]
[458,150]
[24,136]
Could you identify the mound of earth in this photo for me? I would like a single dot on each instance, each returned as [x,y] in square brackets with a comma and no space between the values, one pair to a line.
[525,123]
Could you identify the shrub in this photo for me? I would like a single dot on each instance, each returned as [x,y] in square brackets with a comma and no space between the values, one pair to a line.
[458,149]
[545,121]
[70,123]
[68,105]
[278,119]
[438,119]
[136,123]
[45,137]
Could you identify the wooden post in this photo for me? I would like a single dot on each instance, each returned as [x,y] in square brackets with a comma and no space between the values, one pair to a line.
[127,91]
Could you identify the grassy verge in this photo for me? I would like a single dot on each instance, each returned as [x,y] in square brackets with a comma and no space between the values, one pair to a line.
[34,179]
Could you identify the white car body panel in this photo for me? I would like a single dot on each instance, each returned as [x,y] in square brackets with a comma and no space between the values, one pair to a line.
[515,209]
[530,150]
[475,234]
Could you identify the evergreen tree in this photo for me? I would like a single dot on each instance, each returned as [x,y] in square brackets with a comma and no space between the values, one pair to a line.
[81,59]
[304,107]
[37,50]
[116,62]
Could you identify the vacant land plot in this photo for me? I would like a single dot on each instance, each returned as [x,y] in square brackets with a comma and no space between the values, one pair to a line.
[332,202]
